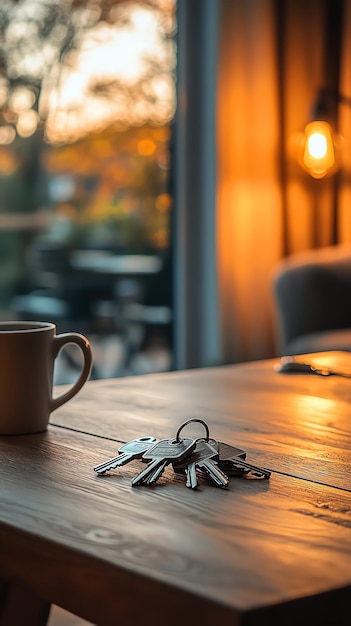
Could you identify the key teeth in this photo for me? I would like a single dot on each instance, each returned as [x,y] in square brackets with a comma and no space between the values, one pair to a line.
[247,469]
[158,473]
[191,478]
[116,461]
[106,467]
[215,473]
[103,466]
[151,478]
[101,469]
[136,481]
[126,453]
[143,476]
[253,468]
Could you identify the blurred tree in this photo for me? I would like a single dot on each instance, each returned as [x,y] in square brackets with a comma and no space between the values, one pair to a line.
[46,45]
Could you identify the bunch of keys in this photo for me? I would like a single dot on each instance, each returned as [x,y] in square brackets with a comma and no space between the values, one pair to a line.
[162,454]
[216,460]
[204,456]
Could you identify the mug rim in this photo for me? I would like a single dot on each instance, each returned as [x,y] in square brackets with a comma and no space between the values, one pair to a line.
[24,326]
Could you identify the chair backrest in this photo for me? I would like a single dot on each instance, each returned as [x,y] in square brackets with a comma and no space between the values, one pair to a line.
[49,263]
[312,292]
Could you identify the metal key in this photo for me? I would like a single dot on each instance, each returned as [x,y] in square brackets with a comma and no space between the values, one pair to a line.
[155,475]
[250,471]
[234,464]
[131,450]
[160,455]
[225,449]
[204,457]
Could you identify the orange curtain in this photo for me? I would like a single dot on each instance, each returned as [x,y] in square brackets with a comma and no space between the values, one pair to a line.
[271,64]
[344,213]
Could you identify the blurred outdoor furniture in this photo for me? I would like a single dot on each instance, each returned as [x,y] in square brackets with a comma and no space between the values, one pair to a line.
[110,264]
[141,306]
[55,292]
[122,301]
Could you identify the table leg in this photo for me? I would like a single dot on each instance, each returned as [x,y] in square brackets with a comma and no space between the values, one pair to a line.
[19,605]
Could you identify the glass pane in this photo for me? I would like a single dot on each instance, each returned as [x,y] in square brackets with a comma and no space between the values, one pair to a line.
[87,100]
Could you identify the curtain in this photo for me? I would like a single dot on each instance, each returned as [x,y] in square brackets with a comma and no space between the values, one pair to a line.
[273,58]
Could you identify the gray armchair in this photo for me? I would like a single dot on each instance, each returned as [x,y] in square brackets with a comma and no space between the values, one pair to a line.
[312,292]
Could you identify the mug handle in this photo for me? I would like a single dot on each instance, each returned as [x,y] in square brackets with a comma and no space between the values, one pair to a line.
[59,341]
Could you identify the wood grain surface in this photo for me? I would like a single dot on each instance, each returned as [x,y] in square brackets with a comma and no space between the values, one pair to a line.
[296,424]
[274,551]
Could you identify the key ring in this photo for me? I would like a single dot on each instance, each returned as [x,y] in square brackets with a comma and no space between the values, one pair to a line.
[193,419]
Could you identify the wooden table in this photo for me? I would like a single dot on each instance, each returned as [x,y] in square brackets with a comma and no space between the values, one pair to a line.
[274,551]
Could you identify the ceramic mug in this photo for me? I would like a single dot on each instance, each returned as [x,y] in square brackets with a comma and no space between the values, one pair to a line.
[27,356]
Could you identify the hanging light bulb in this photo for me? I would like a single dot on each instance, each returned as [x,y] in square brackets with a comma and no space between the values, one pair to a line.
[319,146]
[320,149]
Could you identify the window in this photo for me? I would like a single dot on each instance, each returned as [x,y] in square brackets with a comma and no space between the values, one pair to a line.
[87,100]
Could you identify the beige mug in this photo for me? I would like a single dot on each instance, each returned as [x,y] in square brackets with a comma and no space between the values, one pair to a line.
[27,357]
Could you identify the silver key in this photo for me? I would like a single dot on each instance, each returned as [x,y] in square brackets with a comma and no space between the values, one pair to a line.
[189,465]
[204,457]
[250,471]
[234,464]
[129,451]
[155,475]
[160,455]
[224,450]
[227,453]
